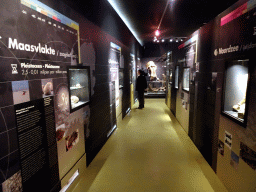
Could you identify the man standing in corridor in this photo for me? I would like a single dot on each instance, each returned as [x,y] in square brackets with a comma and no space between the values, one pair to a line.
[141,85]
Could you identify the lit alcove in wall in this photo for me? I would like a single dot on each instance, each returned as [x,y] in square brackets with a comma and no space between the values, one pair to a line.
[236,81]
[176,77]
[185,81]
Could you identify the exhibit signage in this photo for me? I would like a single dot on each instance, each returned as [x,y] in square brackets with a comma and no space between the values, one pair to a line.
[228,139]
[37,144]
[226,50]
[232,38]
[238,12]
[37,45]
[35,48]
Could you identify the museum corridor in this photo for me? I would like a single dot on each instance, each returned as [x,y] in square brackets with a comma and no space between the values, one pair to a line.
[149,151]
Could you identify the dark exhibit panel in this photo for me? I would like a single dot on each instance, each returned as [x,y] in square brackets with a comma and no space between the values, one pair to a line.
[222,97]
[48,102]
[37,144]
[204,120]
[36,50]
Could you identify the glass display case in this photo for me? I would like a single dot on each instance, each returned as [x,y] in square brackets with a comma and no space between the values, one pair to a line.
[121,78]
[185,81]
[170,76]
[156,87]
[235,88]
[176,83]
[79,87]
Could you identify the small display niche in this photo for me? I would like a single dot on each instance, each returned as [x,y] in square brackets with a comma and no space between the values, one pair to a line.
[79,87]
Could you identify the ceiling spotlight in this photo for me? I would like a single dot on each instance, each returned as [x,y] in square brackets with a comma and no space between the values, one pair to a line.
[162,40]
[157,41]
[157,33]
[181,40]
[171,40]
[177,40]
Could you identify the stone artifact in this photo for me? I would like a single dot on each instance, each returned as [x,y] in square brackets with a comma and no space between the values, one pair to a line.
[78,85]
[74,99]
[240,108]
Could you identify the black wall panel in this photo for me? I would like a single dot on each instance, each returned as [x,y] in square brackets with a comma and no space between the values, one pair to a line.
[99,25]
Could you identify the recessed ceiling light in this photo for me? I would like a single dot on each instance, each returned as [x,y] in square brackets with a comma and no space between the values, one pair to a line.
[157,41]
[162,40]
[177,40]
[157,33]
[181,40]
[171,40]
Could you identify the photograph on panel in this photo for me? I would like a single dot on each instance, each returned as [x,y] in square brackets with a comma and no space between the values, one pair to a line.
[47,87]
[20,91]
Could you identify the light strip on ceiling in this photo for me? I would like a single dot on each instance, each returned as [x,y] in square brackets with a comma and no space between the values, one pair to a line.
[116,6]
[163,14]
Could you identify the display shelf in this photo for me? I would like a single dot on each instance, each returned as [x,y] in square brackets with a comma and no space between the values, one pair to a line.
[234,114]
[75,105]
[155,88]
[79,87]
[74,88]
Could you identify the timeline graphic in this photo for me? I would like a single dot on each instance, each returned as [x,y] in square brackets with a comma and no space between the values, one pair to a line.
[49,12]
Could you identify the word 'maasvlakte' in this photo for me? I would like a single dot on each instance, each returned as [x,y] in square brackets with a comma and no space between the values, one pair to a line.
[13,43]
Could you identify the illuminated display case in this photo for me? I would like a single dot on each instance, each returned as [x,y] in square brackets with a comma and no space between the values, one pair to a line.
[156,87]
[185,81]
[170,76]
[235,88]
[79,87]
[176,83]
[121,78]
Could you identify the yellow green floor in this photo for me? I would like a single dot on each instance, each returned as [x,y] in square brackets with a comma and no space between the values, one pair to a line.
[149,152]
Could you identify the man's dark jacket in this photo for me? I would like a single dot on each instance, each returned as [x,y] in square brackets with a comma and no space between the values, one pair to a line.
[141,83]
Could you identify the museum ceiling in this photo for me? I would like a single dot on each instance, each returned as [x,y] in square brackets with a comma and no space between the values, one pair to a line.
[182,17]
[174,18]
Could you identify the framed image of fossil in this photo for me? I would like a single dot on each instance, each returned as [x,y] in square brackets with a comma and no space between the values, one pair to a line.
[235,88]
[79,87]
